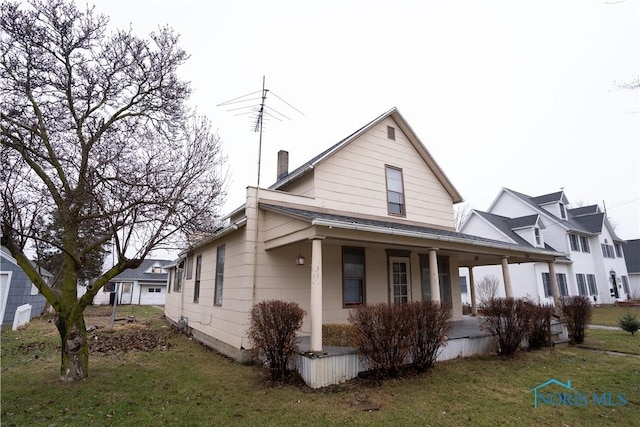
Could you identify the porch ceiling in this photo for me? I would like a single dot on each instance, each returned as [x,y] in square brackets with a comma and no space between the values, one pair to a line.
[470,250]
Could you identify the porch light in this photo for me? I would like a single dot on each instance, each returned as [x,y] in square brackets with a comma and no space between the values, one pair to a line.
[300,260]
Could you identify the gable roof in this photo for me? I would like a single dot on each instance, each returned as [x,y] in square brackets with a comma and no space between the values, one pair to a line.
[585,226]
[632,255]
[549,198]
[6,254]
[140,275]
[403,125]
[506,225]
[523,221]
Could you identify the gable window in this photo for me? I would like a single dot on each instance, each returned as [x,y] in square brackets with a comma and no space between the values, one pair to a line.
[391,132]
[584,244]
[196,285]
[618,247]
[353,276]
[537,234]
[582,285]
[156,269]
[575,243]
[395,191]
[217,298]
[591,281]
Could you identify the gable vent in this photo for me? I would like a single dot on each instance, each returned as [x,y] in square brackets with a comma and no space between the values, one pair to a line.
[391,132]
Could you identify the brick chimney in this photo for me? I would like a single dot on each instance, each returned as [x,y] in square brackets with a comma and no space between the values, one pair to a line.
[283,163]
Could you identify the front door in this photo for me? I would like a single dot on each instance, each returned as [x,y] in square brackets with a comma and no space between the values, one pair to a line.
[399,280]
[126,295]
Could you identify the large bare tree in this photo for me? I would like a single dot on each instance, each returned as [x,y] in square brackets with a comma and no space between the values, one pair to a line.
[98,146]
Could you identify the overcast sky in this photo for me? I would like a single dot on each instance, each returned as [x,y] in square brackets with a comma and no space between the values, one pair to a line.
[514,94]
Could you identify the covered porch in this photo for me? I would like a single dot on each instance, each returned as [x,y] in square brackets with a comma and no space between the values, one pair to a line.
[357,261]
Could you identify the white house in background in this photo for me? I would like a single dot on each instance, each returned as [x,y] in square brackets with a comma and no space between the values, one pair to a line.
[369,220]
[595,265]
[17,290]
[632,257]
[145,285]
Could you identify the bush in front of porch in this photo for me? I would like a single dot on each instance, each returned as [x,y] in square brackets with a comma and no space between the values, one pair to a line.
[390,337]
[273,334]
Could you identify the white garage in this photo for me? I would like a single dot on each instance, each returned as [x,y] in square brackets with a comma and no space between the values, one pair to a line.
[152,294]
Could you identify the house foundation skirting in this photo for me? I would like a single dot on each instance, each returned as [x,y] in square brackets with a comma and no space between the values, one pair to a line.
[340,364]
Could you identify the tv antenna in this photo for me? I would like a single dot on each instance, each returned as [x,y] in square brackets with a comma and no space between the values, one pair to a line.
[254,105]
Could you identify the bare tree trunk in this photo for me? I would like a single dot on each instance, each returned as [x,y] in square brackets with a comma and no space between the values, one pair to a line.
[75,348]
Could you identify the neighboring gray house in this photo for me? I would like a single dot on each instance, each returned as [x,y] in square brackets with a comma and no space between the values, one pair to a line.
[145,285]
[16,289]
[632,258]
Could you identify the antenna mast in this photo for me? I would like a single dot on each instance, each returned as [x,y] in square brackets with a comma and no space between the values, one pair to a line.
[258,112]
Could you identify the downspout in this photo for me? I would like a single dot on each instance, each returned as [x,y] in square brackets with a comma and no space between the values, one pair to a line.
[255,242]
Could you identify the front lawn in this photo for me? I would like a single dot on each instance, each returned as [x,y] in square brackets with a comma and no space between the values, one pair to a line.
[609,315]
[184,383]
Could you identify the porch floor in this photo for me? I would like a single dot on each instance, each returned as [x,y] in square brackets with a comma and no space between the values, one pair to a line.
[468,327]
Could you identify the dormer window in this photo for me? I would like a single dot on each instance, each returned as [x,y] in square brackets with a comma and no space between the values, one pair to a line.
[563,211]
[537,233]
[395,191]
[156,269]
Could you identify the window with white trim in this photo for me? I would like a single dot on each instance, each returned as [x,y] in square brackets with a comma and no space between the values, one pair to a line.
[575,243]
[584,244]
[536,231]
[625,284]
[196,283]
[563,212]
[546,284]
[607,250]
[593,287]
[582,284]
[353,276]
[217,298]
[562,284]
[618,247]
[395,191]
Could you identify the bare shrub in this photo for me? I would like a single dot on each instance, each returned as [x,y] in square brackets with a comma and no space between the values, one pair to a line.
[487,289]
[431,325]
[380,334]
[273,334]
[539,330]
[577,313]
[506,319]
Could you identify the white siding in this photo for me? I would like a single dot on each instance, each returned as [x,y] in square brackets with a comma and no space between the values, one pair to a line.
[353,179]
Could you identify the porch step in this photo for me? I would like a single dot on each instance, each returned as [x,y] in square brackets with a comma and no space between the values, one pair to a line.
[559,342]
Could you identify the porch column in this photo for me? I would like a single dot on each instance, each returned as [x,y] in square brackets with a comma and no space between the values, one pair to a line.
[507,277]
[316,295]
[472,288]
[555,292]
[434,278]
